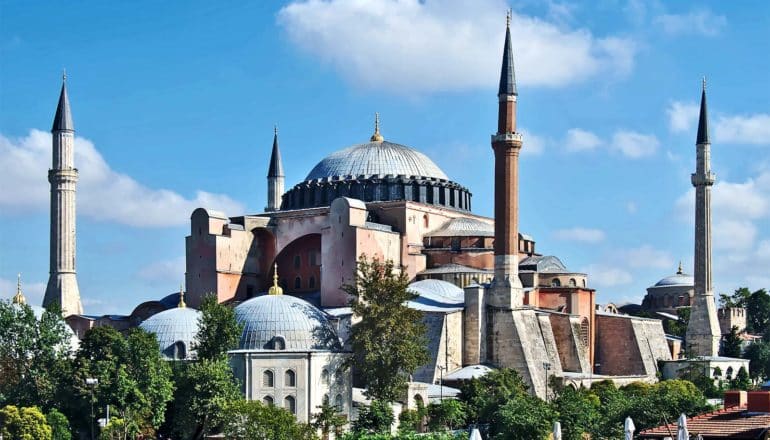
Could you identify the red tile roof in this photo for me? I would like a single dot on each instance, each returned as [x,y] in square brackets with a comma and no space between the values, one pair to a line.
[733,423]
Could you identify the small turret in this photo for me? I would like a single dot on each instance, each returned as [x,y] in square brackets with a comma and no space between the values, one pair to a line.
[703,123]
[62,121]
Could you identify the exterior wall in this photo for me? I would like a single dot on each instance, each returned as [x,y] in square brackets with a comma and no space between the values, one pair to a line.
[668,298]
[573,301]
[732,317]
[445,334]
[629,346]
[311,386]
[475,326]
[301,260]
[572,350]
[671,369]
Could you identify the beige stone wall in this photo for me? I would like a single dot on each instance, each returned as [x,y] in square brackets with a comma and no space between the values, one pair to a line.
[629,346]
[732,317]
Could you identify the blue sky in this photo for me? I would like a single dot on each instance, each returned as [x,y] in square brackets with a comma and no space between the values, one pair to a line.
[174,105]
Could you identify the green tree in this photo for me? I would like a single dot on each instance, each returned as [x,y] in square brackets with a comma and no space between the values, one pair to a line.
[252,420]
[375,418]
[446,415]
[218,330]
[579,411]
[758,355]
[27,423]
[60,426]
[742,380]
[758,312]
[34,356]
[731,343]
[132,378]
[483,396]
[614,406]
[409,421]
[523,417]
[663,402]
[389,342]
[739,298]
[116,429]
[328,420]
[677,327]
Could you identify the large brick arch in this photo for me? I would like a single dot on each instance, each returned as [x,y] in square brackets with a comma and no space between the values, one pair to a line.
[300,261]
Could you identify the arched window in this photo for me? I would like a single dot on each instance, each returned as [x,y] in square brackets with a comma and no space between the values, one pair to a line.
[180,351]
[729,373]
[297,261]
[267,400]
[425,221]
[338,377]
[279,343]
[584,283]
[290,404]
[267,379]
[555,282]
[325,376]
[290,379]
[584,335]
[298,283]
[311,283]
[572,282]
[338,403]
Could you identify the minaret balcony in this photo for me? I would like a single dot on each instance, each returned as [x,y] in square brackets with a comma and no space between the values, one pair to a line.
[506,137]
[707,179]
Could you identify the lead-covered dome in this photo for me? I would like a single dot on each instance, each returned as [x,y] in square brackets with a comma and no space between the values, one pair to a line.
[679,279]
[283,322]
[176,330]
[376,159]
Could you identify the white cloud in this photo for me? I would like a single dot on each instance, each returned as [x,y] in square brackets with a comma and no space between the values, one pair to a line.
[646,256]
[103,193]
[600,275]
[585,235]
[532,144]
[581,140]
[634,145]
[695,22]
[33,291]
[682,116]
[164,270]
[734,235]
[427,46]
[743,129]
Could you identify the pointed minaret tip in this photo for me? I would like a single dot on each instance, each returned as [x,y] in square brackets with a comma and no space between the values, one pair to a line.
[507,73]
[19,297]
[703,123]
[276,164]
[376,137]
[62,121]
[275,289]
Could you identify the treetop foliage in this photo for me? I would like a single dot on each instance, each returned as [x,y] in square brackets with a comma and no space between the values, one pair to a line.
[218,330]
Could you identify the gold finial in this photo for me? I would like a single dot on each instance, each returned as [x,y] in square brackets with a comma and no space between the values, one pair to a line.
[679,271]
[508,19]
[181,304]
[19,297]
[275,289]
[377,137]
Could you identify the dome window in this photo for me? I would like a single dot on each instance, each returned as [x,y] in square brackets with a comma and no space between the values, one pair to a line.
[555,282]
[279,343]
[180,350]
[267,379]
[290,379]
[572,282]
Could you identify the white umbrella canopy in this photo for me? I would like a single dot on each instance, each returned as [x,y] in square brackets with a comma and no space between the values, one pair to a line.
[556,431]
[681,432]
[629,429]
[475,435]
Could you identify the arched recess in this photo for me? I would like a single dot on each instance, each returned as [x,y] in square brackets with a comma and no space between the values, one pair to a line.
[300,261]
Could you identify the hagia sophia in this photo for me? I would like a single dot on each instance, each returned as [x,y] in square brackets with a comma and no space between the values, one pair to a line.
[490,298]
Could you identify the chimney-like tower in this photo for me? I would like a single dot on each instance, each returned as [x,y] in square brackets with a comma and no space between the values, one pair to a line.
[506,143]
[62,286]
[274,177]
[703,332]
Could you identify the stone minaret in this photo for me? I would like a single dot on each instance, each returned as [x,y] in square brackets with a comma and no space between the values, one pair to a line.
[703,332]
[274,177]
[62,286]
[506,143]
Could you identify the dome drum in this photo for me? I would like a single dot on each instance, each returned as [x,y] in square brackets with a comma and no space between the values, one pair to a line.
[376,188]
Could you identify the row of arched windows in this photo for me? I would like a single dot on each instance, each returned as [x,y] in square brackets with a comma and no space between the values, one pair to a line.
[339,379]
[289,378]
[289,403]
[572,282]
[338,403]
[298,283]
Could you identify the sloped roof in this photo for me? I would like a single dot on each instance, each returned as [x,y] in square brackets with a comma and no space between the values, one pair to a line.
[464,227]
[730,423]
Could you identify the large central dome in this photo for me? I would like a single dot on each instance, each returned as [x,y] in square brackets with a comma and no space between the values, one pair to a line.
[376,159]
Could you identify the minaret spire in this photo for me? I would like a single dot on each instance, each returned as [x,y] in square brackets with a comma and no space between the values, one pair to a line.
[703,333]
[275,289]
[376,137]
[181,304]
[19,297]
[275,176]
[507,291]
[62,288]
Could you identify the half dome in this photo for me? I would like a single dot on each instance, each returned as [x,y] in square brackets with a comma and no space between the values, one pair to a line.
[283,322]
[376,159]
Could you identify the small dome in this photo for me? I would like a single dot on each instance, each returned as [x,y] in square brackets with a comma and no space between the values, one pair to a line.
[464,227]
[284,322]
[376,158]
[176,330]
[438,290]
[679,279]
